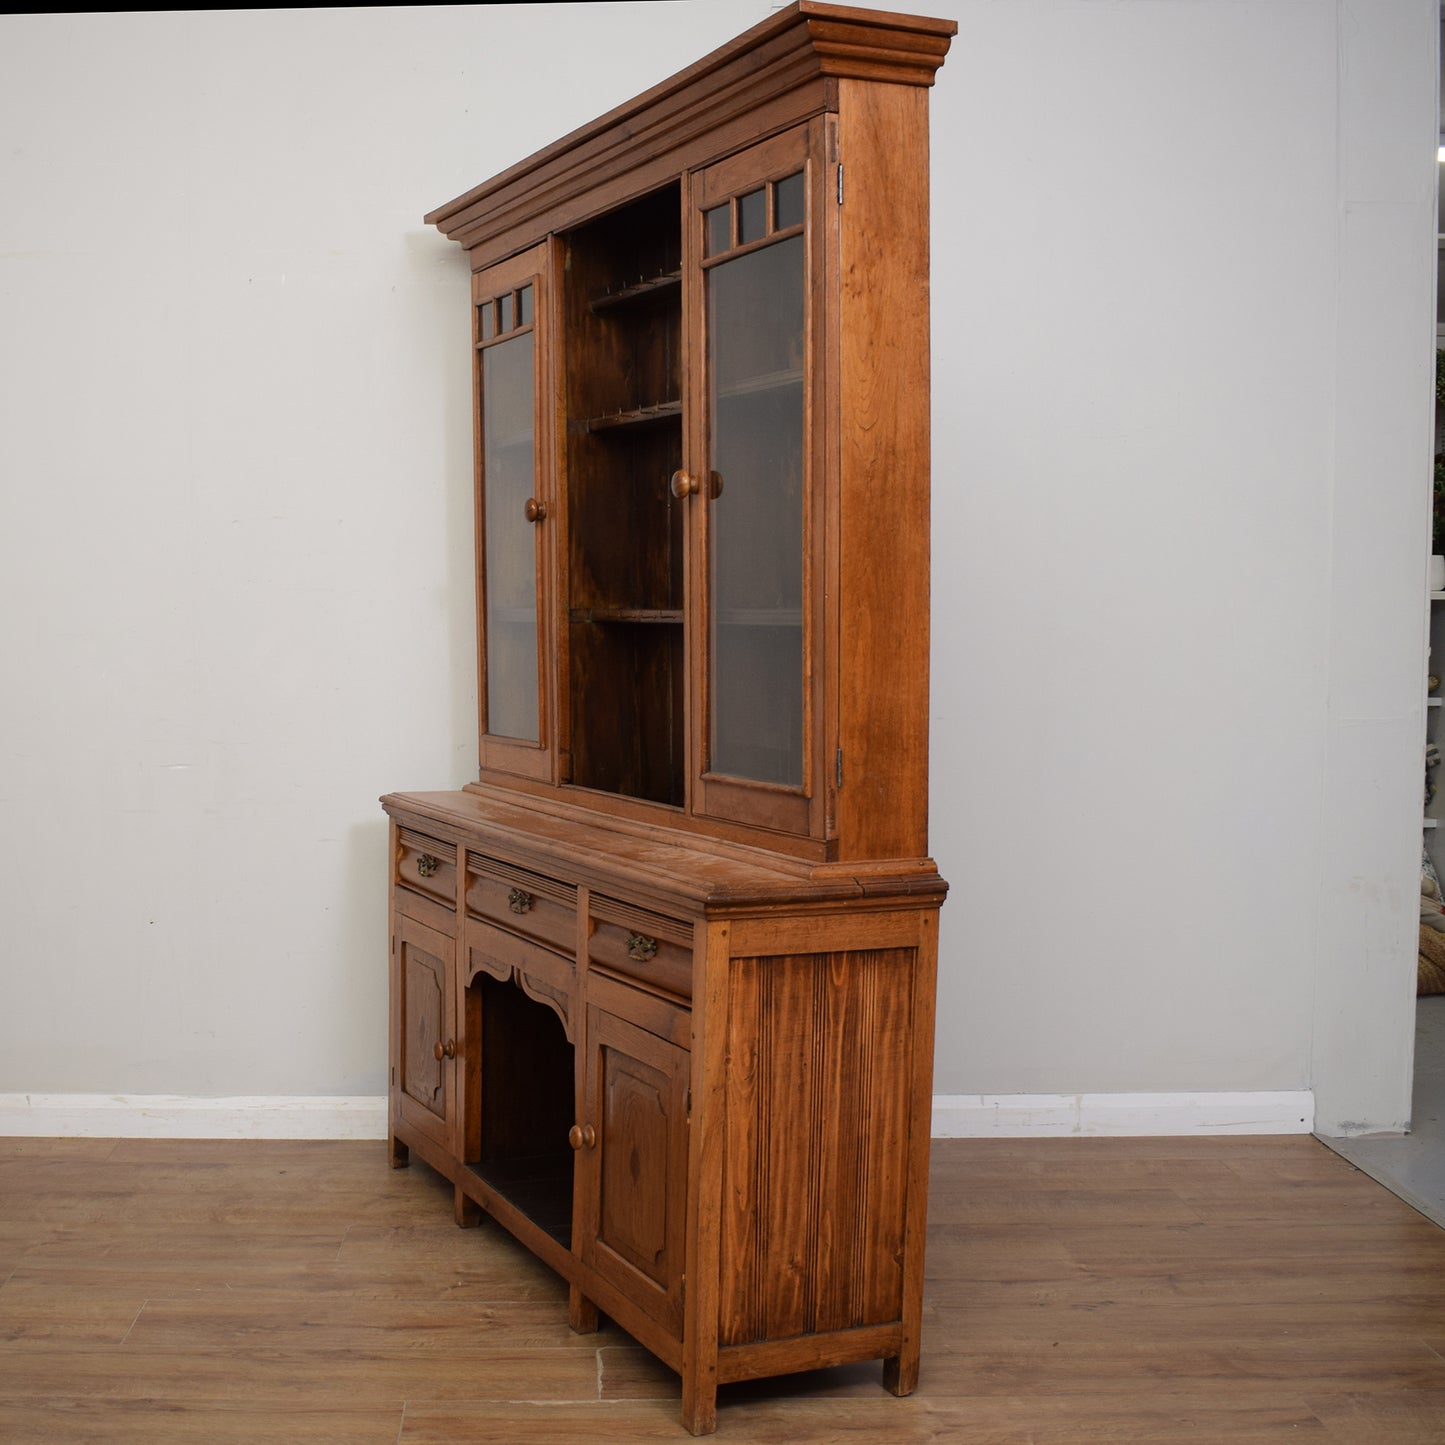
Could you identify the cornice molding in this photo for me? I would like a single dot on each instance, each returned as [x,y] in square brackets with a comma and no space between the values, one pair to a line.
[785,68]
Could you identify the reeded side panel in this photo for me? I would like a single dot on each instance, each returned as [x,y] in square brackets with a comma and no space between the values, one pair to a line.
[815,1170]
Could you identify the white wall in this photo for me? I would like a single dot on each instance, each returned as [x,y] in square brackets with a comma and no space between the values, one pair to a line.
[1182,302]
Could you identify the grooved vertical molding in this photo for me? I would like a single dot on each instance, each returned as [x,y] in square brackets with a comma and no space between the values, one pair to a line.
[817,1242]
[764,1107]
[867,1032]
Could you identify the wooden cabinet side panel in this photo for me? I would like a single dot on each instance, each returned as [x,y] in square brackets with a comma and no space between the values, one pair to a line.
[882,802]
[820,1068]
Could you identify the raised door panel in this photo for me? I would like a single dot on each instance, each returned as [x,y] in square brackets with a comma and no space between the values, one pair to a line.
[636,1164]
[516,515]
[426,1041]
[755,479]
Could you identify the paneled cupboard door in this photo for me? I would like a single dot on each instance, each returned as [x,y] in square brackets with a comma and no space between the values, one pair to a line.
[515,510]
[426,1045]
[755,482]
[633,1153]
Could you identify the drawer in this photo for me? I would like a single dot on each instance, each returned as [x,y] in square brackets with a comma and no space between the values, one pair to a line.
[640,945]
[527,904]
[427,866]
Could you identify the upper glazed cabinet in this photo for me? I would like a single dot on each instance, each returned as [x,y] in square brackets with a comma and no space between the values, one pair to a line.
[701,388]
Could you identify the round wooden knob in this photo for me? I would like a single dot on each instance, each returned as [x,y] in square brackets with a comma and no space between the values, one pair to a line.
[582,1134]
[446,1050]
[684,485]
[534,511]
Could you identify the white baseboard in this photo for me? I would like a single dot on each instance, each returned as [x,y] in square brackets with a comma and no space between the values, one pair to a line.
[1037,1116]
[955,1116]
[182,1116]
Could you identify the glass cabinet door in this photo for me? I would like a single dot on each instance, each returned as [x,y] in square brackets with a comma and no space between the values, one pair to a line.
[513,507]
[757,264]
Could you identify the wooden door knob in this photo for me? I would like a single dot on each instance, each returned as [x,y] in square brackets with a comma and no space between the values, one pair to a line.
[446,1050]
[534,511]
[580,1135]
[685,485]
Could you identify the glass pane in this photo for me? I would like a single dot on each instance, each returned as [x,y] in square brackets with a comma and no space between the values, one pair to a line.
[788,202]
[719,230]
[508,480]
[489,320]
[755,358]
[524,306]
[752,217]
[505,307]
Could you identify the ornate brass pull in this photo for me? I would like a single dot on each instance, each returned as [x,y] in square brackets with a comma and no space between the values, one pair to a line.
[446,1050]
[426,865]
[519,901]
[535,511]
[580,1135]
[684,485]
[640,947]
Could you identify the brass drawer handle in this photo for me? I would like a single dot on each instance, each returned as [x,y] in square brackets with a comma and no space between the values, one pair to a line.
[426,865]
[519,901]
[640,947]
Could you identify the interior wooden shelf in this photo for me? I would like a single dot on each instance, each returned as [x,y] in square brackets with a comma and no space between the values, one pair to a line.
[626,614]
[638,290]
[638,416]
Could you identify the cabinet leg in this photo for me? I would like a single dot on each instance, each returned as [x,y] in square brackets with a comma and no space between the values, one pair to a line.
[699,1405]
[467,1211]
[581,1312]
[900,1373]
[400,1154]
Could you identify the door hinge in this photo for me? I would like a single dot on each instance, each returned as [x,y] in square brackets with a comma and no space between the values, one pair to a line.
[838,769]
[682,1290]
[840,183]
[689,1106]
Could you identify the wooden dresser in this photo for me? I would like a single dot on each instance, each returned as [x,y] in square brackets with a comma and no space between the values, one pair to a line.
[662,979]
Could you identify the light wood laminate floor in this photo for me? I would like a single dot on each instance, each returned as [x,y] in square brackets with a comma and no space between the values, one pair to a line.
[1079,1290]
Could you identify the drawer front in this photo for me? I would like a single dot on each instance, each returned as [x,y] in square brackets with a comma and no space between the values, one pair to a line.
[643,946]
[427,866]
[527,904]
